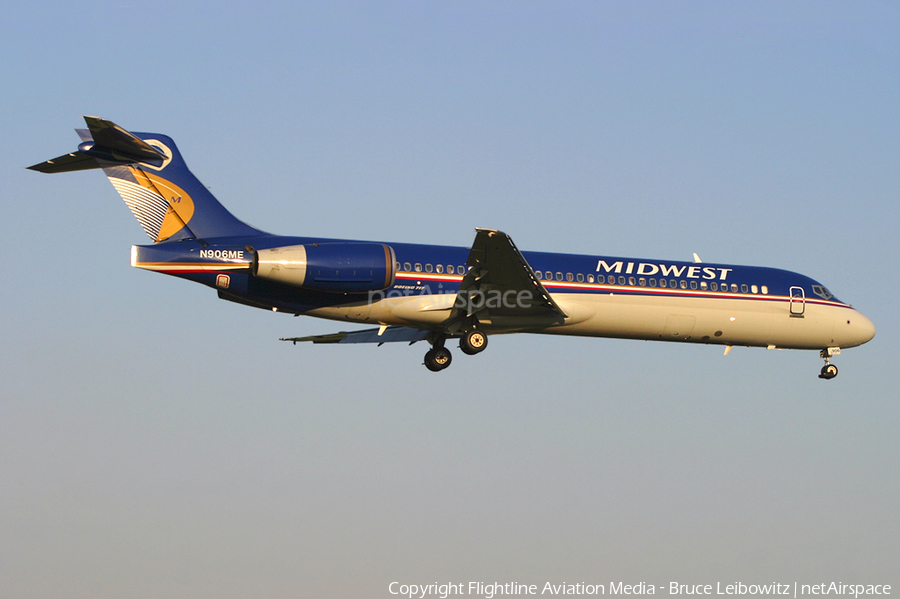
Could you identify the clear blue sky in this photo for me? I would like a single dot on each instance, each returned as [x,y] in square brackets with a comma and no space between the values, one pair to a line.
[158,442]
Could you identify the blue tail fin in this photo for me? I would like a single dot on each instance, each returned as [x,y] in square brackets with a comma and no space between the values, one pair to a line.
[151,176]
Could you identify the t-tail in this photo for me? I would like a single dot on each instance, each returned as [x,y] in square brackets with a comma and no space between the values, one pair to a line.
[151,176]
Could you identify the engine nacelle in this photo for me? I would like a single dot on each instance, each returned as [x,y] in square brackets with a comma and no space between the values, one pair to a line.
[334,267]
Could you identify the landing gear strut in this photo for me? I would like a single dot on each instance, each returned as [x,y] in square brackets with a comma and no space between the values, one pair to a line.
[829,371]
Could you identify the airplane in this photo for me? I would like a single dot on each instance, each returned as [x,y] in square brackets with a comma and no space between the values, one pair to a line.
[416,292]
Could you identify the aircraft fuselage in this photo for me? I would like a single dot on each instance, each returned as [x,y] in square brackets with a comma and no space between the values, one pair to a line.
[602,296]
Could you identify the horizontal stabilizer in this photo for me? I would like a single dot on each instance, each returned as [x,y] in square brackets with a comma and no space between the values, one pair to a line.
[107,142]
[111,137]
[67,162]
[390,334]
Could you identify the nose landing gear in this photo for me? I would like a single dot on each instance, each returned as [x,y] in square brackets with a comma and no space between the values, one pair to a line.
[829,371]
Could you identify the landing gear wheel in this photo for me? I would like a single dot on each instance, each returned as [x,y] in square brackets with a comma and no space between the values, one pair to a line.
[437,359]
[473,342]
[829,371]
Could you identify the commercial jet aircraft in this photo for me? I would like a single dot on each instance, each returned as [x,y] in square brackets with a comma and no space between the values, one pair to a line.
[412,292]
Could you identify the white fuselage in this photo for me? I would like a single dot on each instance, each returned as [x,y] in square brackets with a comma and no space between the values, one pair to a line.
[732,320]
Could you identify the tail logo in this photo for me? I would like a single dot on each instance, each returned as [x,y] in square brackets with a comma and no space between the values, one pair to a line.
[161,207]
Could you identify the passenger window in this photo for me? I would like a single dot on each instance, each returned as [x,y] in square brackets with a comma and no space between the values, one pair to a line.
[429,268]
[684,284]
[631,281]
[601,279]
[642,282]
[754,289]
[461,270]
[765,290]
[714,286]
[579,277]
[653,282]
[662,282]
[673,283]
[538,274]
[407,266]
[734,287]
[559,276]
[703,285]
[590,278]
[744,288]
[449,269]
[418,267]
[693,284]
[621,280]
[570,277]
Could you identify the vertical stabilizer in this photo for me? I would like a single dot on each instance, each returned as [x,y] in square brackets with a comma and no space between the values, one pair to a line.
[149,173]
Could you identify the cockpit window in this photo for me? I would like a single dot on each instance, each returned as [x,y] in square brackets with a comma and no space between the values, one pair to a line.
[822,292]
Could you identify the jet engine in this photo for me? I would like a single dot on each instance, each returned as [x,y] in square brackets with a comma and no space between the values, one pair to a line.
[332,267]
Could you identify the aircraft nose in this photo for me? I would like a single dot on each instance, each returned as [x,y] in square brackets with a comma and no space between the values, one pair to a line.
[856,329]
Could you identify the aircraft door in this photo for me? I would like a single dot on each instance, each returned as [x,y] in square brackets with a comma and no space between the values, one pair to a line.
[798,301]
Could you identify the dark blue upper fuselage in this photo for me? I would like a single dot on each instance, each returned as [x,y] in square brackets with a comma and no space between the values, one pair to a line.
[431,269]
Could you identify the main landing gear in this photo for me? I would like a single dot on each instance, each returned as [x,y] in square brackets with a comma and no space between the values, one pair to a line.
[439,357]
[473,342]
[829,371]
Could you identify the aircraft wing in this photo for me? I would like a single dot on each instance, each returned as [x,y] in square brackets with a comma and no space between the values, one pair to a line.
[501,288]
[379,336]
